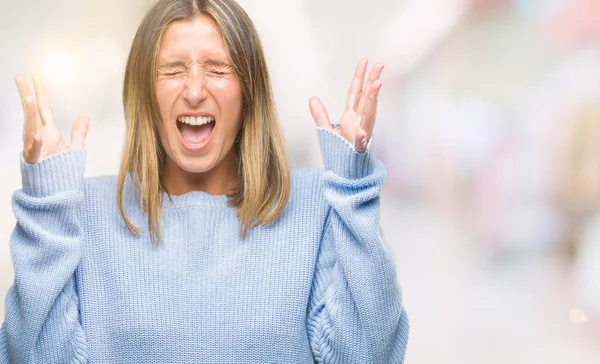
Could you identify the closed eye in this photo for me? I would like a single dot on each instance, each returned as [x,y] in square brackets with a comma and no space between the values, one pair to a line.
[220,69]
[170,71]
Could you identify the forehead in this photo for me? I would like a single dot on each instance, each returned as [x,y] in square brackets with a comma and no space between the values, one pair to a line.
[199,37]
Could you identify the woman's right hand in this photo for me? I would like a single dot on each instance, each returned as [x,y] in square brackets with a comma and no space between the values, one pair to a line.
[41,137]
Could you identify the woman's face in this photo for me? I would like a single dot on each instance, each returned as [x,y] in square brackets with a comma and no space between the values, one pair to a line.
[200,102]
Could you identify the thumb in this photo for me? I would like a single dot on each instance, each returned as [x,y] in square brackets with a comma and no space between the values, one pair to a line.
[319,113]
[79,132]
[360,141]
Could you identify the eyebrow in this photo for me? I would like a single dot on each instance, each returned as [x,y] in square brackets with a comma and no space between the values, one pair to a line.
[172,64]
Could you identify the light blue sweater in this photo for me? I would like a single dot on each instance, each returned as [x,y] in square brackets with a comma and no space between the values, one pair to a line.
[318,285]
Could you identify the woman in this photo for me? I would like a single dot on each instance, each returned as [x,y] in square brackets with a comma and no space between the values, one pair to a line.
[212,252]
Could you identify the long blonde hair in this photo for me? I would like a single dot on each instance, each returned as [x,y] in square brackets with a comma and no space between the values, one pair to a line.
[264,183]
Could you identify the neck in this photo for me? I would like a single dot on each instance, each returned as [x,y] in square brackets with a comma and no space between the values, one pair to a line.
[220,180]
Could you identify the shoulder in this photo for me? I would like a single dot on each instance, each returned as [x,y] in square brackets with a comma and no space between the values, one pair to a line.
[99,185]
[306,180]
[101,199]
[100,192]
[307,189]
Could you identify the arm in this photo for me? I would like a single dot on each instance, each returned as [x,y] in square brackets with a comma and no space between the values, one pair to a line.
[3,346]
[42,310]
[355,313]
[355,310]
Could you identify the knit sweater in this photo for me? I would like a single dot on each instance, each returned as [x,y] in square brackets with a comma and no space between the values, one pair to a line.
[317,286]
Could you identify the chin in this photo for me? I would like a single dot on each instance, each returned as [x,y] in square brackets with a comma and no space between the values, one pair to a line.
[195,165]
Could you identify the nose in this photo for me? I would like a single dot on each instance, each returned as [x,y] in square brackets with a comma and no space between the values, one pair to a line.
[195,89]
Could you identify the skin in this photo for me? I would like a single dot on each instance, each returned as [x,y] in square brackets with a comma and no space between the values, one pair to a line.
[357,123]
[41,137]
[195,75]
[189,82]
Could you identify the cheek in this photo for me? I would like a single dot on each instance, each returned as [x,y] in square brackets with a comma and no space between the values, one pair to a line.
[230,99]
[166,93]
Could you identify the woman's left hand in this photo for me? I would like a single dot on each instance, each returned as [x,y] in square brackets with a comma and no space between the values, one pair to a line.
[358,120]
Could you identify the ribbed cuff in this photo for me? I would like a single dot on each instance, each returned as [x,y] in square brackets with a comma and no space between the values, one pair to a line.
[340,157]
[57,173]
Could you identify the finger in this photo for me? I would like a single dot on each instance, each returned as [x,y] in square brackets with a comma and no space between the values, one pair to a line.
[79,132]
[370,109]
[360,141]
[24,91]
[356,86]
[319,113]
[31,154]
[373,76]
[30,126]
[43,103]
[368,117]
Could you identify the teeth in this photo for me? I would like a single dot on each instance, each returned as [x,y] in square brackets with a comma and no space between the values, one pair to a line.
[200,120]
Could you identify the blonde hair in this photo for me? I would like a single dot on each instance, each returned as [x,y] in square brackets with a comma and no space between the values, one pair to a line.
[264,183]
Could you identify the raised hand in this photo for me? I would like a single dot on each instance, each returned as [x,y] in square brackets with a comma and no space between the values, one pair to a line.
[358,120]
[41,137]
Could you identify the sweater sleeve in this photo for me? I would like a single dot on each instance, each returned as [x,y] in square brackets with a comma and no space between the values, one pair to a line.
[355,312]
[42,322]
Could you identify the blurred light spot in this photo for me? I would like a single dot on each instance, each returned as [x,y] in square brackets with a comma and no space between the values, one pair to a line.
[58,66]
[577,316]
[539,9]
[102,60]
[417,30]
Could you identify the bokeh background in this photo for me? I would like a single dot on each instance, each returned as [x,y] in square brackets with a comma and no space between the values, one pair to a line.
[489,125]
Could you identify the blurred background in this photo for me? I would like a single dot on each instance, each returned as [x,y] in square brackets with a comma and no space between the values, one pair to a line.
[488,123]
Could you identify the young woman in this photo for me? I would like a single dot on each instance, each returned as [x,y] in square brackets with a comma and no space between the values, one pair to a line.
[211,252]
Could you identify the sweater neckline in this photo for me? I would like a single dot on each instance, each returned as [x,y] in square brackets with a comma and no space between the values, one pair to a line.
[194,198]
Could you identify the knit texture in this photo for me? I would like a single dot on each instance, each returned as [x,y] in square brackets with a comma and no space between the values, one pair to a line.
[317,286]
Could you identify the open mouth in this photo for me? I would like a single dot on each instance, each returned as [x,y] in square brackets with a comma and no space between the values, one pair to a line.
[195,131]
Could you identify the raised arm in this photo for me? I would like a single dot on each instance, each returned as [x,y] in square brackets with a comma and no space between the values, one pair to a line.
[42,310]
[356,313]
